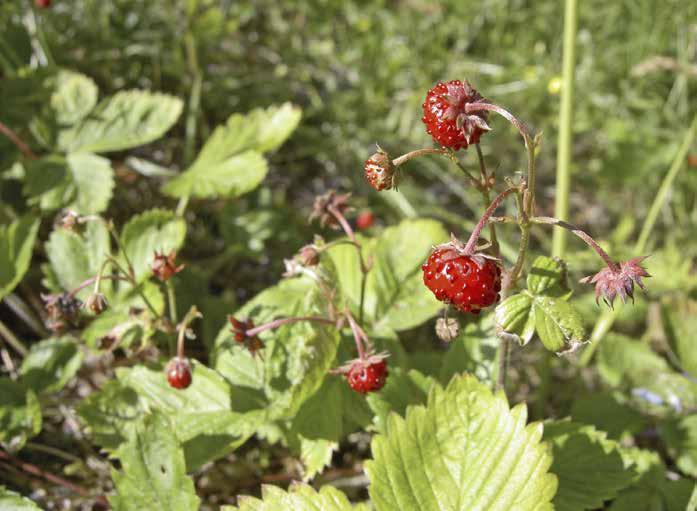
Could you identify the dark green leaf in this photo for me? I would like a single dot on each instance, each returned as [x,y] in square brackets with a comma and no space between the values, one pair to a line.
[16,246]
[50,364]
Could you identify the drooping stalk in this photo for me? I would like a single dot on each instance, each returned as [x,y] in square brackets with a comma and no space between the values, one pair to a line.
[561,207]
[474,237]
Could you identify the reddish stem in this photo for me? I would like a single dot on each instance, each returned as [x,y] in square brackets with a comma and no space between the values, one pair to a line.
[36,471]
[342,222]
[581,234]
[477,107]
[415,154]
[285,321]
[91,281]
[474,237]
[14,138]
[356,335]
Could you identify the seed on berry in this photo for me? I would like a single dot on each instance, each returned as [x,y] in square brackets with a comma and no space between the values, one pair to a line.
[469,283]
[367,376]
[379,171]
[364,220]
[447,119]
[178,373]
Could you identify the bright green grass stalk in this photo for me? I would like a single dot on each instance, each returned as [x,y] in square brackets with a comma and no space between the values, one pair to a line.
[561,207]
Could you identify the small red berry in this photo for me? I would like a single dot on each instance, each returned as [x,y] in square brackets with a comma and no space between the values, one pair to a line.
[42,4]
[468,282]
[365,220]
[379,171]
[446,118]
[367,376]
[178,372]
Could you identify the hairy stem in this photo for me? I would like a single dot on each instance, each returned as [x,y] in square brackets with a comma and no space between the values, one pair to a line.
[487,196]
[171,302]
[415,154]
[474,237]
[356,335]
[272,325]
[188,319]
[581,234]
[12,340]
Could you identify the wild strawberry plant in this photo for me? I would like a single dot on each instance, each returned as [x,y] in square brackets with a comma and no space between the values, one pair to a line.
[176,383]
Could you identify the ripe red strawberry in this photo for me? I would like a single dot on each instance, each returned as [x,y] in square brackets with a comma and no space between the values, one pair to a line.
[446,119]
[178,372]
[367,375]
[364,220]
[379,171]
[468,282]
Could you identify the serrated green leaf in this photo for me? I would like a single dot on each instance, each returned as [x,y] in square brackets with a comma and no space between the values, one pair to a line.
[124,120]
[20,414]
[111,414]
[229,178]
[296,357]
[515,316]
[395,297]
[402,389]
[589,467]
[231,164]
[547,276]
[12,501]
[75,258]
[558,324]
[50,364]
[152,472]
[74,97]
[210,418]
[151,231]
[299,497]
[608,412]
[465,450]
[16,246]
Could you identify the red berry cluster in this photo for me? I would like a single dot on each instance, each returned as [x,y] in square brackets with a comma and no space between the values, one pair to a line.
[470,283]
[178,373]
[446,118]
[367,376]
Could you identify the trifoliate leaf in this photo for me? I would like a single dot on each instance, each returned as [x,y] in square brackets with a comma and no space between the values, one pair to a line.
[299,497]
[153,474]
[74,97]
[153,231]
[16,246]
[50,364]
[589,466]
[124,120]
[465,450]
[20,414]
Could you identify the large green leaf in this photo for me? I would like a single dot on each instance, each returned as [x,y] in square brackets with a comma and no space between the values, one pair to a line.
[20,414]
[558,324]
[299,497]
[465,450]
[12,501]
[231,162]
[16,246]
[153,474]
[296,357]
[589,467]
[50,364]
[127,119]
[93,180]
[395,297]
[681,439]
[210,418]
[153,231]
[75,258]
